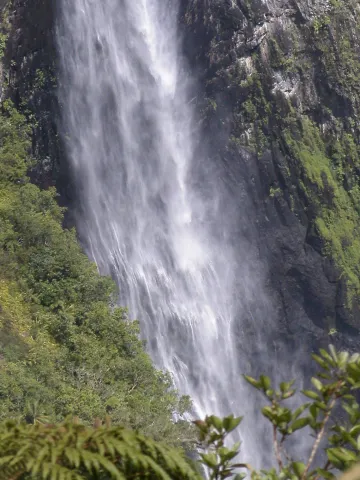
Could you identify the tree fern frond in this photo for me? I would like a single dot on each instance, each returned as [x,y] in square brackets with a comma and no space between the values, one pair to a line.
[73,456]
[34,464]
[74,452]
[46,470]
[109,446]
[109,467]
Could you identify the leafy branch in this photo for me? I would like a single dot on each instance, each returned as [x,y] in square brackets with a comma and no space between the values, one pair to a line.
[333,386]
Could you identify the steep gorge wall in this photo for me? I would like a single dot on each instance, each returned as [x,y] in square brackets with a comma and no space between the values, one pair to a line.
[30,79]
[279,103]
[280,84]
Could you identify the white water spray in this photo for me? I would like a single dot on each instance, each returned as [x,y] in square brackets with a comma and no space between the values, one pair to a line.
[153,213]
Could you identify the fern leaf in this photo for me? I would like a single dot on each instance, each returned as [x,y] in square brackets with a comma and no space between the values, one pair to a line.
[73,456]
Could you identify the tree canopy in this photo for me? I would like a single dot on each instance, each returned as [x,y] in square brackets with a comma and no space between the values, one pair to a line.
[65,348]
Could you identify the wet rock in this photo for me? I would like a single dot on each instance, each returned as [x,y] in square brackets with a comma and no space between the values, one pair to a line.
[278,50]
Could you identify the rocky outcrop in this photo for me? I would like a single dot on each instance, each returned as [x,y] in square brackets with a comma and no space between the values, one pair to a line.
[30,78]
[30,60]
[279,83]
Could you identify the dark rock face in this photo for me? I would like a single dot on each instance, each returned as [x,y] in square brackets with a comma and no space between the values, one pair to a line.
[279,101]
[30,65]
[30,60]
[279,104]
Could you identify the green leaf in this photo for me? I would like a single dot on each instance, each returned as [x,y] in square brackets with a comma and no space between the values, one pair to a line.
[210,459]
[231,422]
[327,357]
[299,468]
[333,353]
[325,474]
[353,370]
[349,408]
[320,361]
[314,411]
[110,468]
[354,357]
[268,413]
[333,459]
[343,358]
[216,422]
[226,454]
[265,382]
[343,454]
[348,396]
[355,430]
[322,406]
[252,381]
[310,394]
[289,394]
[317,384]
[299,423]
[283,387]
[300,410]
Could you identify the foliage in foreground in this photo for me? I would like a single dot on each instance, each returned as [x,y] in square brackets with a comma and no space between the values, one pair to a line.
[64,350]
[332,416]
[74,452]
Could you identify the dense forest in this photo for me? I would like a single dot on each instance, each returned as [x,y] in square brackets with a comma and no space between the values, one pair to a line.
[65,347]
[72,450]
[79,395]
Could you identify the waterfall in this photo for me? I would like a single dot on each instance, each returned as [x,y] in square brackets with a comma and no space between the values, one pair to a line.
[154,210]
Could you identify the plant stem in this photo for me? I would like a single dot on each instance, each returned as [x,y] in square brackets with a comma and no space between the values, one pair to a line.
[318,438]
[327,465]
[277,449]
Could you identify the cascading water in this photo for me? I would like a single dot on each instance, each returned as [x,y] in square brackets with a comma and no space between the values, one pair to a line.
[154,213]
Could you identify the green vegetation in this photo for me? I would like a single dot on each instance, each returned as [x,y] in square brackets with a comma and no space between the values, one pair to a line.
[255,110]
[3,40]
[71,451]
[63,348]
[336,38]
[335,446]
[320,22]
[337,210]
[274,192]
[331,414]
[4,29]
[281,60]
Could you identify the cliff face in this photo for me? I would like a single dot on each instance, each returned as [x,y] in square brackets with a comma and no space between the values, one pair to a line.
[279,86]
[30,59]
[30,79]
[280,91]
